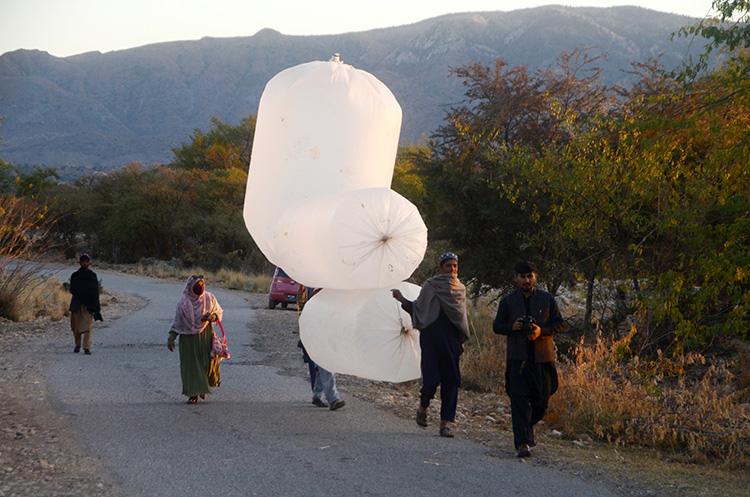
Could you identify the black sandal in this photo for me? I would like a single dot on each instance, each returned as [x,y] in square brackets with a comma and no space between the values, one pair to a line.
[193,400]
[422,419]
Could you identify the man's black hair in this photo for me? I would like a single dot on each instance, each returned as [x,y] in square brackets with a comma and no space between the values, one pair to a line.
[525,267]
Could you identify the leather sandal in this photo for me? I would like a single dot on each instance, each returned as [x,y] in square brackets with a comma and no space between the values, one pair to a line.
[422,419]
[193,400]
[446,431]
[523,451]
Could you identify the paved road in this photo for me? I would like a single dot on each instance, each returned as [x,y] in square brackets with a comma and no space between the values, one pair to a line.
[257,434]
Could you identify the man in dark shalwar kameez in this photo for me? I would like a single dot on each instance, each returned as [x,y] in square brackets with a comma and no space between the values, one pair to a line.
[528,317]
[439,313]
[84,304]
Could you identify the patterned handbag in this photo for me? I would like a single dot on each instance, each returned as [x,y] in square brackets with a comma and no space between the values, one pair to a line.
[220,348]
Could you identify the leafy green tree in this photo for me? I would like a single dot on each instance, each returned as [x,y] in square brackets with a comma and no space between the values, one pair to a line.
[646,189]
[658,195]
[36,180]
[406,178]
[190,210]
[728,35]
[476,195]
[223,147]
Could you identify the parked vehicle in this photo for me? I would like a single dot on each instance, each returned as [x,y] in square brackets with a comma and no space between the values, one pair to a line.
[283,290]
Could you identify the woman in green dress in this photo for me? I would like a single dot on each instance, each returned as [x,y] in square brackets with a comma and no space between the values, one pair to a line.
[196,311]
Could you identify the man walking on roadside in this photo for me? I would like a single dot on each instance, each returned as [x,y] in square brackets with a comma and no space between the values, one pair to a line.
[84,304]
[528,318]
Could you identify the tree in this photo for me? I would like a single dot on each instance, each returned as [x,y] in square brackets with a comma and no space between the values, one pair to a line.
[223,147]
[728,35]
[510,118]
[645,189]
[36,180]
[406,178]
[190,210]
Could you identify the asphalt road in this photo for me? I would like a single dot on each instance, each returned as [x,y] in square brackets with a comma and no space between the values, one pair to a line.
[257,434]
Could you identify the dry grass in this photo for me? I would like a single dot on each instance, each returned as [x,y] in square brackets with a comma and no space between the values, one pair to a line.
[233,280]
[483,360]
[38,297]
[678,405]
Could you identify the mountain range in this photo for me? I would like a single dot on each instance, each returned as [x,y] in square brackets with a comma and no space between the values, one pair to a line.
[97,111]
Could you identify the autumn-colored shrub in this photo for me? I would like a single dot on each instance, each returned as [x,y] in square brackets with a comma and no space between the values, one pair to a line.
[675,404]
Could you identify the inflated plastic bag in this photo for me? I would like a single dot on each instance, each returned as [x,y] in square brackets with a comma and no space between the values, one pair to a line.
[363,333]
[323,128]
[368,238]
[318,204]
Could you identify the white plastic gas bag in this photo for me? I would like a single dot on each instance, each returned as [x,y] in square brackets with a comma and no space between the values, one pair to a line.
[369,238]
[318,204]
[323,128]
[362,333]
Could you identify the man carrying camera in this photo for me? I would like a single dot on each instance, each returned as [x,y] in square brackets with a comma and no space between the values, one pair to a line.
[528,318]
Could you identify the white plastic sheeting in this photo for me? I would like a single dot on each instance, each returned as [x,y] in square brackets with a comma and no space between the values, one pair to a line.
[363,333]
[368,238]
[318,204]
[323,128]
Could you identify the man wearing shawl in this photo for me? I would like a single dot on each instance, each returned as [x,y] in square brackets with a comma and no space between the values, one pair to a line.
[440,314]
[530,374]
[195,313]
[84,304]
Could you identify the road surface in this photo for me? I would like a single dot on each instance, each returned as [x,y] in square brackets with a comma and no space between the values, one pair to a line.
[257,434]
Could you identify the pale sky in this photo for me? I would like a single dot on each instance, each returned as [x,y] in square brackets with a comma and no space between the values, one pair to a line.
[69,27]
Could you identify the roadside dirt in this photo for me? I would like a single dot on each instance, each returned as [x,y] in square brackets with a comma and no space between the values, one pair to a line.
[39,456]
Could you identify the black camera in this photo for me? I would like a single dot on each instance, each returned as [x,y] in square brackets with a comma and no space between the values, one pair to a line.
[527,326]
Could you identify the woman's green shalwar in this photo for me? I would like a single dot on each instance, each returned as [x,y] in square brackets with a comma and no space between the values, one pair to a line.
[199,371]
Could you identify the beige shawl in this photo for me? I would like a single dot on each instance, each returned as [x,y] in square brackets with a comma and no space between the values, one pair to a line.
[446,291]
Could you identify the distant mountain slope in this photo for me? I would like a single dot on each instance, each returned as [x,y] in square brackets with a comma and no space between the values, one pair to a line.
[105,110]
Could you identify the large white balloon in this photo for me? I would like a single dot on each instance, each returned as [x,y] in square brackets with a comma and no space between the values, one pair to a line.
[362,333]
[368,238]
[322,128]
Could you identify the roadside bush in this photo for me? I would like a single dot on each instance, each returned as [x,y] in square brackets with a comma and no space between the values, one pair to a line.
[25,225]
[483,360]
[261,283]
[9,308]
[673,404]
[37,297]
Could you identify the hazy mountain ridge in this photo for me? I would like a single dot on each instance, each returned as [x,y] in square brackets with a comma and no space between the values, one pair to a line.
[109,109]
